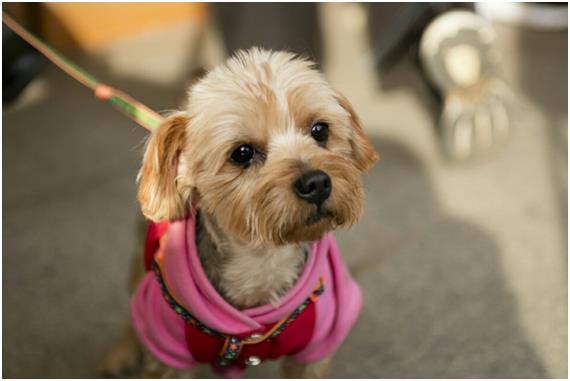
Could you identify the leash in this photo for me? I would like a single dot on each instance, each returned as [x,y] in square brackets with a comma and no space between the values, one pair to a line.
[134,109]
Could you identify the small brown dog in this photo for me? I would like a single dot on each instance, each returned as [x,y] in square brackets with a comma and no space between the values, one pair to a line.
[264,162]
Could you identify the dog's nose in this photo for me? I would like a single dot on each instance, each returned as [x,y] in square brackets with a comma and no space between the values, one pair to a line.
[314,187]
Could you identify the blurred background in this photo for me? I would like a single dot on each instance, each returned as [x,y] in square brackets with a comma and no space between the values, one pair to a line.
[462,250]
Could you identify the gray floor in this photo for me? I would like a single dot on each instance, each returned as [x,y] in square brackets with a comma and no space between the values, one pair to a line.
[463,267]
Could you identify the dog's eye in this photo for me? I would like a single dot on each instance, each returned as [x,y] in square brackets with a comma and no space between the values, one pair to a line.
[320,132]
[243,154]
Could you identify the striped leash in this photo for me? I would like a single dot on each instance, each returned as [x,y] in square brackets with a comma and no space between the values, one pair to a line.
[134,109]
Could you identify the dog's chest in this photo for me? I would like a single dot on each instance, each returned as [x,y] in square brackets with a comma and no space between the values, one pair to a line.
[244,276]
[252,278]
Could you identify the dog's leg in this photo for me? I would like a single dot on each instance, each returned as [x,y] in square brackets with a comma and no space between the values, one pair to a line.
[152,368]
[317,369]
[125,356]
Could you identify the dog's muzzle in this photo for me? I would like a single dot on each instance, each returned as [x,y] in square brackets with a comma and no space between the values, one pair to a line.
[314,187]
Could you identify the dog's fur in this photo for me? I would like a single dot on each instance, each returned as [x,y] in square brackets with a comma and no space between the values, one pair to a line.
[252,230]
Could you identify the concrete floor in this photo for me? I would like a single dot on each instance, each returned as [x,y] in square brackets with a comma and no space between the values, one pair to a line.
[463,267]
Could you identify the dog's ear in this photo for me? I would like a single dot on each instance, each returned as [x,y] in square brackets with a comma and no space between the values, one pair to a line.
[160,194]
[364,154]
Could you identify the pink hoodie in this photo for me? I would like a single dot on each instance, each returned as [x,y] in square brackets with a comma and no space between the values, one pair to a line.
[165,334]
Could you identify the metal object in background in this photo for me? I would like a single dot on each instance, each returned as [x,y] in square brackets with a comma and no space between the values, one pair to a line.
[539,16]
[458,55]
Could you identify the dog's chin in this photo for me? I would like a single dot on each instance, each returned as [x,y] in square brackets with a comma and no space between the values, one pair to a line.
[306,224]
[310,228]
[318,216]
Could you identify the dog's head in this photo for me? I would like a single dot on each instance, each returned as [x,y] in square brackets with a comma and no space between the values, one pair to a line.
[266,148]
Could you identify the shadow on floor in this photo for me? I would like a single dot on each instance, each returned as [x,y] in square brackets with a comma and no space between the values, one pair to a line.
[436,303]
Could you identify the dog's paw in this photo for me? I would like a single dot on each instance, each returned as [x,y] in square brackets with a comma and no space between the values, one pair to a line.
[124,360]
[318,369]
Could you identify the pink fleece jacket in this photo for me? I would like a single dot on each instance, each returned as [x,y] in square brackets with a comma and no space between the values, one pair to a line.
[162,331]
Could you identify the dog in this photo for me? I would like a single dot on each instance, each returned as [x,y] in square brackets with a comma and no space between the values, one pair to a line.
[243,190]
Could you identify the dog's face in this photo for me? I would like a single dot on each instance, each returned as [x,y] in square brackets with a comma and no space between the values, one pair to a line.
[266,148]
